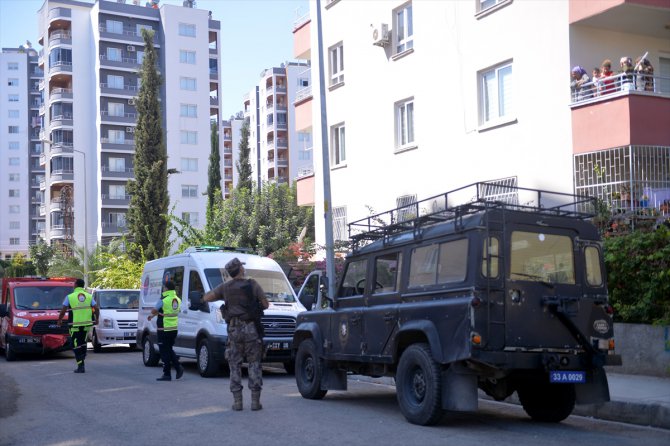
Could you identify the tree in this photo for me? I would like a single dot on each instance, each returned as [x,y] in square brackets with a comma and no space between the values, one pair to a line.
[41,253]
[149,201]
[244,172]
[213,176]
[120,270]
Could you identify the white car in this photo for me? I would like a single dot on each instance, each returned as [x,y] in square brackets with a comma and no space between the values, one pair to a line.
[118,318]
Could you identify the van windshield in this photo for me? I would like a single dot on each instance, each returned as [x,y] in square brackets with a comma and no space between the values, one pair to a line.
[275,285]
[40,297]
[116,299]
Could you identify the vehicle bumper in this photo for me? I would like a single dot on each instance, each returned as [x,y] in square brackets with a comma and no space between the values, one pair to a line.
[115,336]
[33,344]
[507,361]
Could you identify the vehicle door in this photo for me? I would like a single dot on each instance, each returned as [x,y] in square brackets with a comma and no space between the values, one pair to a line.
[347,321]
[541,273]
[380,319]
[190,319]
[4,321]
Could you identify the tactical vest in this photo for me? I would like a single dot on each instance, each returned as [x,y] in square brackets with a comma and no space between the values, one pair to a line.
[170,310]
[80,304]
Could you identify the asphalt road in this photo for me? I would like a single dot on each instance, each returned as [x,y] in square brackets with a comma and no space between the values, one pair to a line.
[119,402]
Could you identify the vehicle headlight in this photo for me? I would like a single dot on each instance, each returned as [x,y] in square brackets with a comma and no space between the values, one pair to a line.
[107,323]
[20,322]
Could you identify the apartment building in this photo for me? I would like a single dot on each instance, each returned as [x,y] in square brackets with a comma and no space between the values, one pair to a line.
[278,152]
[91,59]
[436,95]
[20,150]
[230,136]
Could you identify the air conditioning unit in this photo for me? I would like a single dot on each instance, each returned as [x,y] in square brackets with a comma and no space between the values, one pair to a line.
[130,129]
[130,48]
[131,101]
[381,35]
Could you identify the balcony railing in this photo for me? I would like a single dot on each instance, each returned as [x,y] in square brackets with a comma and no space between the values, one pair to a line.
[621,84]
[126,89]
[303,93]
[60,66]
[122,62]
[120,117]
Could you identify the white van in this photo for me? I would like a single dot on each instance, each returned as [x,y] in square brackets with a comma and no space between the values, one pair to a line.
[118,318]
[202,331]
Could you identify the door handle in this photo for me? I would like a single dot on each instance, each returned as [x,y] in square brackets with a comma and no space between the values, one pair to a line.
[354,320]
[388,317]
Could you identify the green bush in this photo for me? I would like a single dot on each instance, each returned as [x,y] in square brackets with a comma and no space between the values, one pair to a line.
[638,275]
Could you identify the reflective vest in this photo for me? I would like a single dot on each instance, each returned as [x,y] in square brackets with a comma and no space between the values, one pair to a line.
[82,311]
[170,310]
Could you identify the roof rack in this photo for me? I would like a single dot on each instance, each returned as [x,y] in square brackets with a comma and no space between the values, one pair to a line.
[471,199]
[212,248]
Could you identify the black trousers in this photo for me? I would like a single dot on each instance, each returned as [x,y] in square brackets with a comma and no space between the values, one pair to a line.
[79,339]
[165,346]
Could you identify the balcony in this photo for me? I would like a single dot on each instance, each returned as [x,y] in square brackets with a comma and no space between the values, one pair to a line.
[302,37]
[60,14]
[227,150]
[43,210]
[617,114]
[277,162]
[43,185]
[58,148]
[126,90]
[64,119]
[57,231]
[115,200]
[127,118]
[127,145]
[58,94]
[126,63]
[213,102]
[113,228]
[213,74]
[55,205]
[126,173]
[60,37]
[126,36]
[37,73]
[60,67]
[61,175]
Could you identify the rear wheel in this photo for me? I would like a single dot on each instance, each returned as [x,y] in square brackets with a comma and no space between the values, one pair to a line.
[207,365]
[418,386]
[308,370]
[547,402]
[149,355]
[97,347]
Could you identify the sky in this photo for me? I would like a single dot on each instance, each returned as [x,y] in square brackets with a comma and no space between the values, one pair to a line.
[255,35]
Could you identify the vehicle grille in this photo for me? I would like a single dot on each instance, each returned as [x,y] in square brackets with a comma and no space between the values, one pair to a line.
[279,326]
[125,325]
[49,327]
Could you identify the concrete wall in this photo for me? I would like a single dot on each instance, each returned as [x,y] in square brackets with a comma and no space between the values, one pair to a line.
[645,349]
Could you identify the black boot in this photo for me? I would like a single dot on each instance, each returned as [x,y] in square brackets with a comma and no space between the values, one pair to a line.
[80,368]
[164,378]
[180,370]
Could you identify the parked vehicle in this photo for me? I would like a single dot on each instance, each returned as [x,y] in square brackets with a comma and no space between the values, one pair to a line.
[202,331]
[29,314]
[118,318]
[488,286]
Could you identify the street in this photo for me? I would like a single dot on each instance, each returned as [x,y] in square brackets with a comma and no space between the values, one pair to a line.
[119,402]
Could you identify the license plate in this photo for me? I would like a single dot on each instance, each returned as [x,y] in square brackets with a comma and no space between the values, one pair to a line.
[128,334]
[567,376]
[278,346]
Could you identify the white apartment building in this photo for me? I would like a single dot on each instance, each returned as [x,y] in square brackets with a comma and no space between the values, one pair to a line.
[278,152]
[230,136]
[20,149]
[91,57]
[426,96]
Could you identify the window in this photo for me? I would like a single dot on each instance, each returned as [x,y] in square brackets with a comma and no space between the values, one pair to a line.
[139,29]
[12,113]
[14,177]
[387,273]
[338,153]
[496,94]
[189,164]
[13,145]
[187,83]
[336,64]
[140,57]
[117,219]
[117,191]
[14,193]
[187,56]
[12,66]
[116,136]
[541,257]
[14,209]
[114,26]
[188,137]
[303,82]
[13,129]
[14,161]
[12,82]
[117,164]
[115,81]
[404,123]
[115,109]
[186,29]
[594,275]
[189,191]
[483,5]
[13,98]
[405,32]
[188,111]
[438,264]
[340,223]
[14,225]
[114,54]
[353,282]
[190,217]
[490,256]
[14,241]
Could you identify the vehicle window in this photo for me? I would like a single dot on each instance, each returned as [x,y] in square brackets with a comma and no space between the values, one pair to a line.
[453,265]
[274,283]
[387,273]
[40,297]
[194,282]
[542,257]
[490,257]
[594,275]
[423,266]
[353,282]
[177,276]
[116,299]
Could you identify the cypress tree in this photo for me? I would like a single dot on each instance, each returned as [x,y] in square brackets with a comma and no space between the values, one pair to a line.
[147,223]
[243,164]
[213,174]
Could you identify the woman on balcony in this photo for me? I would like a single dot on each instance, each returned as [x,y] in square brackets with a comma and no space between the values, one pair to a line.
[580,87]
[644,75]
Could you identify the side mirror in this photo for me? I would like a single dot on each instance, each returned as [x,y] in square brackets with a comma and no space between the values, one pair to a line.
[4,311]
[196,302]
[307,300]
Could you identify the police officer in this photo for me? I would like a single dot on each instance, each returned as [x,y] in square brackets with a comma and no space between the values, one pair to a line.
[82,307]
[243,337]
[167,308]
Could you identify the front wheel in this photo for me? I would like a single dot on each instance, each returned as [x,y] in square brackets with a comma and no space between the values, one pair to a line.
[97,347]
[309,371]
[418,386]
[9,352]
[547,402]
[207,365]
[149,355]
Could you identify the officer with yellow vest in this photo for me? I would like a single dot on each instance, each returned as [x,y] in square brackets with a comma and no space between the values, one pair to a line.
[82,306]
[167,308]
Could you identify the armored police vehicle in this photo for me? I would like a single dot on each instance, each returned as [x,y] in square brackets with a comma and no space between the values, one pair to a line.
[493,287]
